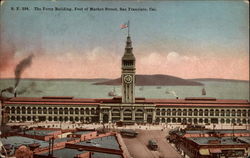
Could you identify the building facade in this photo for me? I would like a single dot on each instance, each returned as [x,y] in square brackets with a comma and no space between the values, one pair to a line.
[128,108]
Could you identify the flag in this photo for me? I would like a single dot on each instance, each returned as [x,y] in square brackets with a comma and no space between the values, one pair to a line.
[123,26]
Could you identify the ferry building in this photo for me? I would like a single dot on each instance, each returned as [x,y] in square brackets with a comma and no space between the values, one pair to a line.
[127,108]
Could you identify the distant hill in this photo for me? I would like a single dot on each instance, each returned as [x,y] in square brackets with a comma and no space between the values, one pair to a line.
[154,80]
[217,80]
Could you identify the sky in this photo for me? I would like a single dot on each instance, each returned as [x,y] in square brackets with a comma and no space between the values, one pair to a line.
[187,39]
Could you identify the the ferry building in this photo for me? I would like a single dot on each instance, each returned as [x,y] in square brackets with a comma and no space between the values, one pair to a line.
[128,108]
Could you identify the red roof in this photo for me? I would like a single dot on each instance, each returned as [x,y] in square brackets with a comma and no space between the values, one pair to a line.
[159,102]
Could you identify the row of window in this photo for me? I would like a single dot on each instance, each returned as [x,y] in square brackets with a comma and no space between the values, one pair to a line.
[55,118]
[40,110]
[163,120]
[202,112]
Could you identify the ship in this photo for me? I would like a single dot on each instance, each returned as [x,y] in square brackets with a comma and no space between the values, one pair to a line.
[203,92]
[112,93]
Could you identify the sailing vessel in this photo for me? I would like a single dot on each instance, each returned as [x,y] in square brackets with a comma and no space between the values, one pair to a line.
[203,92]
[112,93]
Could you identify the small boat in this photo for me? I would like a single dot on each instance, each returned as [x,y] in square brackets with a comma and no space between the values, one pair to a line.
[203,92]
[112,93]
[167,92]
[141,88]
[34,145]
[158,87]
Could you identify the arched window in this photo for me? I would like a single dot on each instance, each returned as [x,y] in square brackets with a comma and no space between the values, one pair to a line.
[228,113]
[61,111]
[66,111]
[39,110]
[50,118]
[50,112]
[13,110]
[239,121]
[55,111]
[222,120]
[139,112]
[76,111]
[82,111]
[179,120]
[174,120]
[163,120]
[23,110]
[7,109]
[44,110]
[157,111]
[200,120]
[190,112]
[168,112]
[87,111]
[92,111]
[206,112]
[233,113]
[184,112]
[217,112]
[200,112]
[222,113]
[76,119]
[195,112]
[18,110]
[212,112]
[34,110]
[179,112]
[173,112]
[29,111]
[28,118]
[71,111]
[244,113]
[238,112]
[163,112]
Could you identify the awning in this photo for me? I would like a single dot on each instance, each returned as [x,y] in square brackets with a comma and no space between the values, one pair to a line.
[215,151]
[204,152]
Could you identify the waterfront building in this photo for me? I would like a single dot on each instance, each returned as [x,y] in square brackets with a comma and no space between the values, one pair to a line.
[128,108]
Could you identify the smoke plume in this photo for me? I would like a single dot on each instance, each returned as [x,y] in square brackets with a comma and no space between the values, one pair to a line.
[21,67]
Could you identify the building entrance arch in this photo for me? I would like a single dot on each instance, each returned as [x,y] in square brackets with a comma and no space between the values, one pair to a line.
[105,118]
[149,119]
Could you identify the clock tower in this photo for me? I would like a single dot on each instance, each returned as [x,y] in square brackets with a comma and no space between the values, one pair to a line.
[128,73]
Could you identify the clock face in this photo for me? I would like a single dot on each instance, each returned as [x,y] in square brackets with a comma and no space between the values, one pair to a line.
[127,78]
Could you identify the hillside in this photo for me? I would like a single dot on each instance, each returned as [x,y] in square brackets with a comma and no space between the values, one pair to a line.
[217,80]
[154,80]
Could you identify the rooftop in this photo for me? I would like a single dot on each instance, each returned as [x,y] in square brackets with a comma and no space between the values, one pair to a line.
[108,142]
[82,132]
[215,140]
[70,153]
[39,132]
[16,141]
[159,102]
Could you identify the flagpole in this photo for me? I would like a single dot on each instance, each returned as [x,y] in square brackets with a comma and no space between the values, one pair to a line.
[128,28]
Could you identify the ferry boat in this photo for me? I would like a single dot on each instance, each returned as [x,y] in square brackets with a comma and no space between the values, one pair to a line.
[203,92]
[112,93]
